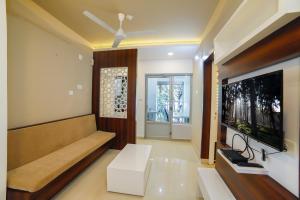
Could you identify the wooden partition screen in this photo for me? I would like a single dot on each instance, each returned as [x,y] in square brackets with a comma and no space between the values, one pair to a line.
[281,45]
[124,128]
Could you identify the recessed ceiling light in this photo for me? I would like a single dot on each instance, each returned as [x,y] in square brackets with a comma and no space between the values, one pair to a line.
[197,57]
[170,54]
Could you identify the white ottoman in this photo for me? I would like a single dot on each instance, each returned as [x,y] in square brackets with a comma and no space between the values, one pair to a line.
[212,185]
[128,172]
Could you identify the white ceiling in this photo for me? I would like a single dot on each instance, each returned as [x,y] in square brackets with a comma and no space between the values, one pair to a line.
[161,52]
[176,21]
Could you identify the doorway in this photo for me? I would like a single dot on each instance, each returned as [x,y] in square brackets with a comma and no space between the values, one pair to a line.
[168,106]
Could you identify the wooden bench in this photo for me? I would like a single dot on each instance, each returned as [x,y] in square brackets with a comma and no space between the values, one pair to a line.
[43,158]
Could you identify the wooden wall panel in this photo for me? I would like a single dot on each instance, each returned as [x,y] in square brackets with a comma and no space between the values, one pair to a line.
[207,85]
[251,186]
[282,45]
[124,128]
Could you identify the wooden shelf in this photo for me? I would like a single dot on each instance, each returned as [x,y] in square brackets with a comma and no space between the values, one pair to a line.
[243,170]
[251,186]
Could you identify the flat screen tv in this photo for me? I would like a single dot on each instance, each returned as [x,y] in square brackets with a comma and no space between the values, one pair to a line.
[254,107]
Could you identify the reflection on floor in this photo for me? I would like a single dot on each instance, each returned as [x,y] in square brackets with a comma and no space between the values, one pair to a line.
[172,176]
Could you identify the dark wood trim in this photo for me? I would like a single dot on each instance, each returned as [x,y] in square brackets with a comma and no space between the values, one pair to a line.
[207,86]
[61,181]
[124,128]
[250,186]
[48,122]
[223,135]
[282,45]
[96,90]
[222,130]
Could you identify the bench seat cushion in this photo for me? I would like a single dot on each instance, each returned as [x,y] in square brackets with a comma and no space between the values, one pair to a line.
[35,175]
[28,144]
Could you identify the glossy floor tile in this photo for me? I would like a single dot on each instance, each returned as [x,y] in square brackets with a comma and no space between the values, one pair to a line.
[172,176]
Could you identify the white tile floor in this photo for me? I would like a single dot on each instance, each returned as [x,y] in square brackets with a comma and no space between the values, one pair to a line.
[172,175]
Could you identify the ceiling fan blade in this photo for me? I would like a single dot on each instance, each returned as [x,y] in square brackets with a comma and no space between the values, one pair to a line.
[98,21]
[117,41]
[141,33]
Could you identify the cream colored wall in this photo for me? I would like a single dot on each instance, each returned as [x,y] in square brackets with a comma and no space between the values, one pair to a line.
[214,114]
[222,13]
[197,105]
[3,101]
[42,68]
[30,11]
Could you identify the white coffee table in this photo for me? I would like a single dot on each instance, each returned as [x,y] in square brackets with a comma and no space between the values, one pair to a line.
[128,172]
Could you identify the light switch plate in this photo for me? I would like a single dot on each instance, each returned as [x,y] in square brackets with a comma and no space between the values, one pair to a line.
[79,87]
[71,92]
[80,57]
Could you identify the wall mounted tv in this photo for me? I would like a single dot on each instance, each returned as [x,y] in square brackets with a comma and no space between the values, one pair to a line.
[254,107]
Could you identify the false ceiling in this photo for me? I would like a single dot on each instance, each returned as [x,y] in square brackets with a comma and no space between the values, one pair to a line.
[186,51]
[176,21]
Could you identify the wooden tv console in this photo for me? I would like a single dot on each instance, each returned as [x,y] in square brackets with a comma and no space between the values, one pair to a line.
[282,45]
[251,186]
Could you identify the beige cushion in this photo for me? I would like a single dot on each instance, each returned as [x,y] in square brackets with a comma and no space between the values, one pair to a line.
[36,174]
[28,144]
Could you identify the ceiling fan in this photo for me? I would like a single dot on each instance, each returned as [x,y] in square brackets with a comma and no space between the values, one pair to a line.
[120,33]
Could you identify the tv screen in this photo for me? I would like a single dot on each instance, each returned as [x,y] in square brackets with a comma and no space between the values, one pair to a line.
[254,107]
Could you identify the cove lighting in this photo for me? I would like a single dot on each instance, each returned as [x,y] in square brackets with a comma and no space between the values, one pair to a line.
[204,57]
